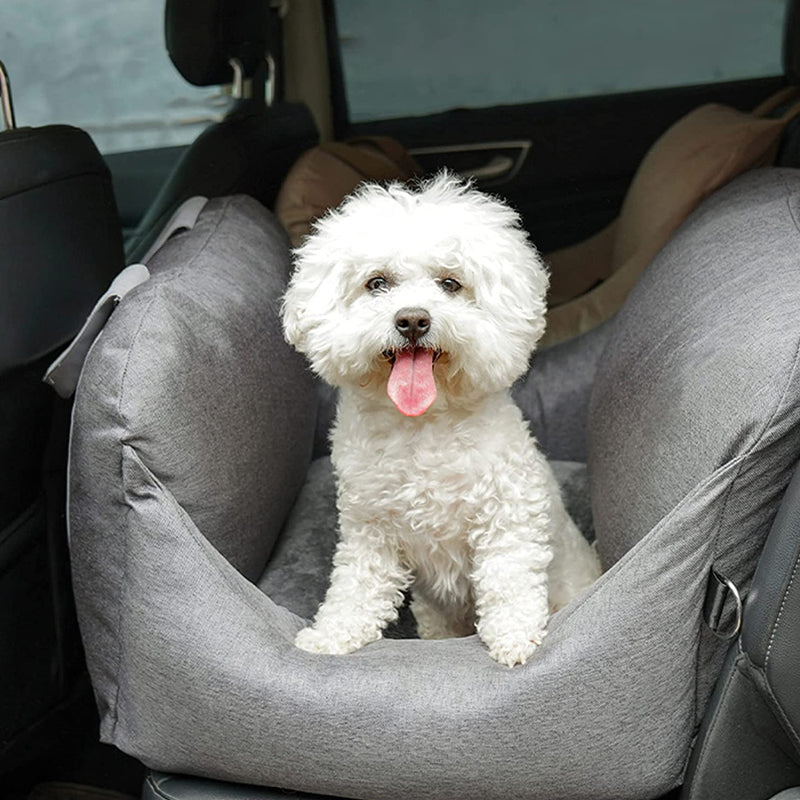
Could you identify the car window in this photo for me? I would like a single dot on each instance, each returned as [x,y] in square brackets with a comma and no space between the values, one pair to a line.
[101,65]
[424,56]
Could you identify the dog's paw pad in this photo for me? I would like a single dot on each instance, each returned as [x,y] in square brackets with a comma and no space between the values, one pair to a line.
[510,651]
[315,641]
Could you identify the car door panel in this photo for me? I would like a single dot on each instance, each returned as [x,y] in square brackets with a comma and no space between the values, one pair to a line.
[487,163]
[572,160]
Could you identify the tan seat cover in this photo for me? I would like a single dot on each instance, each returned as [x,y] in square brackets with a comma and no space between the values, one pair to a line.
[696,156]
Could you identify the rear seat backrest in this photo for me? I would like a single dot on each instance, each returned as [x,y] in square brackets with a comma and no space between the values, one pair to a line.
[252,149]
[61,244]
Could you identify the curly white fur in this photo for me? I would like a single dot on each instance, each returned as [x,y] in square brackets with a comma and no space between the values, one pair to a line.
[456,503]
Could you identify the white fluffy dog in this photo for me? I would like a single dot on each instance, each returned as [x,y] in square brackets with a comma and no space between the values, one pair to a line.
[423,307]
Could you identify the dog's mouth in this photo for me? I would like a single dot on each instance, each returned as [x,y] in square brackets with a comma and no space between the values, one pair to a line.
[411,386]
[391,354]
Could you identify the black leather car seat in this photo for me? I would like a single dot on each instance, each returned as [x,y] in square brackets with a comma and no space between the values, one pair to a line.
[217,42]
[749,743]
[61,244]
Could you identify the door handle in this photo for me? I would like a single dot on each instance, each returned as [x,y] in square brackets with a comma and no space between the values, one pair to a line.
[496,162]
[496,167]
[5,100]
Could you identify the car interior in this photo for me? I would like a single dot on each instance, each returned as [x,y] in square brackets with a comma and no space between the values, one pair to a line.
[167,511]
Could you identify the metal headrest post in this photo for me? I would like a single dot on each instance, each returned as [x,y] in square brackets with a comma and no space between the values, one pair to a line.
[5,99]
[271,78]
[237,86]
[259,85]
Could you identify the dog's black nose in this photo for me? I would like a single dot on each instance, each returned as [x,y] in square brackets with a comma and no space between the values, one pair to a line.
[412,323]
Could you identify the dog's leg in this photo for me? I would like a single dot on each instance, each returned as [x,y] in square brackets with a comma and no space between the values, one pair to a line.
[511,601]
[511,554]
[575,565]
[364,595]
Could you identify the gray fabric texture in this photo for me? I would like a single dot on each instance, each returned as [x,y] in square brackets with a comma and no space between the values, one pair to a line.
[573,480]
[194,665]
[187,375]
[184,374]
[554,394]
[216,687]
[686,387]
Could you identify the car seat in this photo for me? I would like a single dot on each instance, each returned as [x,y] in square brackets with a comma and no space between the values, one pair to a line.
[216,42]
[61,244]
[202,530]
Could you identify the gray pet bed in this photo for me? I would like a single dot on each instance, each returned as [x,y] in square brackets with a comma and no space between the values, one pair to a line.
[201,528]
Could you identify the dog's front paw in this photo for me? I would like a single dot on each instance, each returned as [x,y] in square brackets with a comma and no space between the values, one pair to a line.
[313,640]
[511,649]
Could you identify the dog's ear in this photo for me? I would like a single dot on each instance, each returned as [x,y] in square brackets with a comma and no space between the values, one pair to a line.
[510,276]
[291,316]
[309,298]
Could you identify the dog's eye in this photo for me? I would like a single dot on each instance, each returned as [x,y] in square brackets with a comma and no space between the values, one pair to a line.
[450,285]
[377,284]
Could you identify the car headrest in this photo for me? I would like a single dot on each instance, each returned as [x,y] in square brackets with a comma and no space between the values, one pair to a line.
[61,236]
[203,35]
[791,42]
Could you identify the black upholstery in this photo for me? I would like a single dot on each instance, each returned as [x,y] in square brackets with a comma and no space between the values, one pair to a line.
[749,744]
[252,149]
[160,786]
[250,152]
[771,630]
[61,246]
[789,151]
[53,264]
[203,35]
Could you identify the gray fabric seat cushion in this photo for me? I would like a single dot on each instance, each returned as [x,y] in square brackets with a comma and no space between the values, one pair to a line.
[192,436]
[701,373]
[181,373]
[554,394]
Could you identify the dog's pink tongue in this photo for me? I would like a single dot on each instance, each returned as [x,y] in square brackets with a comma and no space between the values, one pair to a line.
[411,386]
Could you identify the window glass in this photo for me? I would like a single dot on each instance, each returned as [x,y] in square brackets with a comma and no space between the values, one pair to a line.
[101,65]
[423,56]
